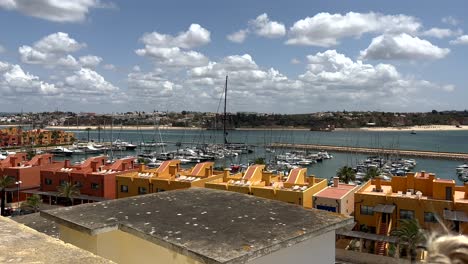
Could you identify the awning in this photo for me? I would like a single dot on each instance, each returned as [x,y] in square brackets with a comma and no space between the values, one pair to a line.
[384,208]
[368,236]
[459,216]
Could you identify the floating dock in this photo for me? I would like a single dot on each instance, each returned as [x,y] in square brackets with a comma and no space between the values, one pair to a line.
[377,151]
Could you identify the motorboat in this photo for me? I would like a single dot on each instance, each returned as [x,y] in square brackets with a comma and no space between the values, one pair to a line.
[61,151]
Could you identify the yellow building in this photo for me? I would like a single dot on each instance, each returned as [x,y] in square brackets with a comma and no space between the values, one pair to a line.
[168,176]
[380,204]
[297,189]
[47,137]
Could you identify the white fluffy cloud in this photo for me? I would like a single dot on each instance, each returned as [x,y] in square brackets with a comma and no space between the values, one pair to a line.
[52,50]
[150,84]
[402,46]
[14,81]
[54,10]
[441,33]
[173,51]
[264,27]
[90,61]
[87,81]
[109,66]
[325,29]
[462,40]
[238,36]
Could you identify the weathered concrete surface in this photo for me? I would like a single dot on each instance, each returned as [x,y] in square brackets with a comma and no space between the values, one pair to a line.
[38,223]
[208,225]
[21,244]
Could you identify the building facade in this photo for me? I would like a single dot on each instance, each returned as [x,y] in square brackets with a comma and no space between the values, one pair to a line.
[95,178]
[168,176]
[338,198]
[296,189]
[15,136]
[431,201]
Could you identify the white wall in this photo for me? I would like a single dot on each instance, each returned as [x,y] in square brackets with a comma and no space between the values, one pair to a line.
[320,249]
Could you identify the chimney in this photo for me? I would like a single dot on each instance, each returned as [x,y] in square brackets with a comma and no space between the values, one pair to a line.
[423,174]
[336,181]
[466,190]
[39,161]
[124,166]
[141,168]
[431,177]
[94,166]
[66,164]
[172,170]
[208,171]
[13,161]
[226,173]
[312,180]
[378,184]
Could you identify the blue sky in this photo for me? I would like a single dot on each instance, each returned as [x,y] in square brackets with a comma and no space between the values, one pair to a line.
[295,57]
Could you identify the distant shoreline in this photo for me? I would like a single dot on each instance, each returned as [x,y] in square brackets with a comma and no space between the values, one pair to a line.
[371,129]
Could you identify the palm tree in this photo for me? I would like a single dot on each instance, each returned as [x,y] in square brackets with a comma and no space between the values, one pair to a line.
[68,191]
[371,173]
[5,181]
[346,174]
[88,129]
[55,135]
[40,137]
[409,234]
[33,202]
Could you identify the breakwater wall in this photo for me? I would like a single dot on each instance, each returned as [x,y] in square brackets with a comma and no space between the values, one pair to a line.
[377,151]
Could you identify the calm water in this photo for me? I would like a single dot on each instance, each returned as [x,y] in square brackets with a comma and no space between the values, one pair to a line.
[456,141]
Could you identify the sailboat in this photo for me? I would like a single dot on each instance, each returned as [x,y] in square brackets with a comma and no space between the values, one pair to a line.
[413,132]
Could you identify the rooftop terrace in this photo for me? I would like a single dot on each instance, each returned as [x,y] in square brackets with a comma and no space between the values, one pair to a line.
[209,225]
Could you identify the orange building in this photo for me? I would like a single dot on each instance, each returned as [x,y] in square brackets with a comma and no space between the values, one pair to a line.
[168,176]
[15,136]
[26,173]
[338,198]
[296,189]
[380,204]
[95,178]
[10,137]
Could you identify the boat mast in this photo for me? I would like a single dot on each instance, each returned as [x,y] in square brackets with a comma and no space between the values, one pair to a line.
[225,117]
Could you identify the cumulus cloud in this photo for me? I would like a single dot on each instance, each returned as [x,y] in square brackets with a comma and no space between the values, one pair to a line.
[462,40]
[90,61]
[264,27]
[441,33]
[14,81]
[325,29]
[89,82]
[402,46]
[52,50]
[109,66]
[238,36]
[295,61]
[57,11]
[150,84]
[173,51]
[337,76]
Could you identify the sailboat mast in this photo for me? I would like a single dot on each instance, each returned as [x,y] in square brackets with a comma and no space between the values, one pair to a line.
[225,116]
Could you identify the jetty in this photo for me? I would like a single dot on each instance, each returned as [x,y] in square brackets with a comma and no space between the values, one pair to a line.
[377,151]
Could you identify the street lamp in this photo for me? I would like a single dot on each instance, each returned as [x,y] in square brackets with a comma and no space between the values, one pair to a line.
[18,183]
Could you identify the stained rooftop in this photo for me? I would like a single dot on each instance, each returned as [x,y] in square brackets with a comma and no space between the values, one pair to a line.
[335,192]
[21,244]
[209,225]
[39,223]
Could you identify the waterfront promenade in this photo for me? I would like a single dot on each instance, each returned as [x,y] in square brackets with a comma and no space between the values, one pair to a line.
[376,151]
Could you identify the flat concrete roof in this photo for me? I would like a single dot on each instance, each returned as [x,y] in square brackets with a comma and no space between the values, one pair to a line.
[21,244]
[38,223]
[209,225]
[336,192]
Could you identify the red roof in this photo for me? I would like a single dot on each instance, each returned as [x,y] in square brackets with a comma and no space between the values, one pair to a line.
[335,192]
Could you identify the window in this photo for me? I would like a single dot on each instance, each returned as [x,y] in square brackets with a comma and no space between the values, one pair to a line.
[78,184]
[94,186]
[48,181]
[124,188]
[141,190]
[429,217]
[367,210]
[62,182]
[406,214]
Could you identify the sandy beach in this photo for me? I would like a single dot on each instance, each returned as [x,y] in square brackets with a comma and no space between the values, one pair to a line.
[417,128]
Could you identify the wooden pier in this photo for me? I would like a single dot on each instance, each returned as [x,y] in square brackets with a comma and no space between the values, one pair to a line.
[377,151]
